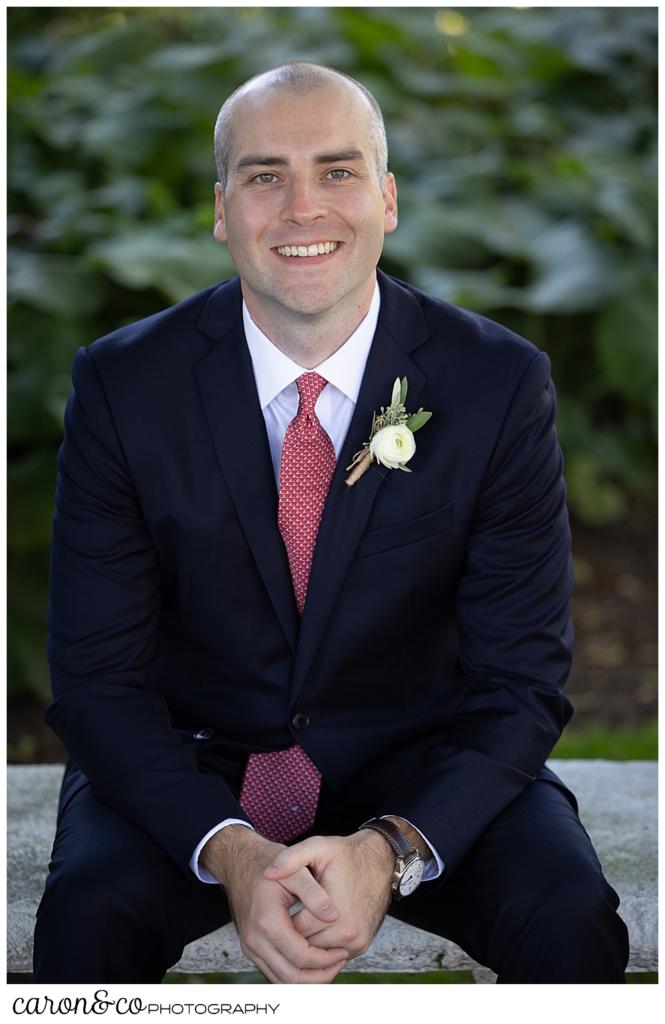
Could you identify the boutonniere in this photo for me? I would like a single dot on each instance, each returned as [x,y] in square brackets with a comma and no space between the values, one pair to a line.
[391,441]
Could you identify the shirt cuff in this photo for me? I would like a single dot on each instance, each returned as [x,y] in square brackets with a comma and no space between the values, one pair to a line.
[199,872]
[433,868]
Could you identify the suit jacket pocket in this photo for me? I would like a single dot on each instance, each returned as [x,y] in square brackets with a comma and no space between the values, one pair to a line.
[385,538]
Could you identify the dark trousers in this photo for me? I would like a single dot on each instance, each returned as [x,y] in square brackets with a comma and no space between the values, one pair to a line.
[528,901]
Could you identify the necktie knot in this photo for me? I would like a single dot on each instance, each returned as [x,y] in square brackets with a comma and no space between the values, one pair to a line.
[310,385]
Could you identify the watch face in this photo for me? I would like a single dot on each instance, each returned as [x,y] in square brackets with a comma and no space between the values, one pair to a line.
[412,877]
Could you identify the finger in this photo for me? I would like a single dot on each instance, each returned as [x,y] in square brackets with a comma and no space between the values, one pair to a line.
[283,937]
[307,925]
[313,896]
[263,963]
[327,939]
[278,966]
[279,970]
[265,970]
[324,938]
[290,859]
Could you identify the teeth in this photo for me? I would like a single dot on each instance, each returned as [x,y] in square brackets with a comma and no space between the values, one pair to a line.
[318,249]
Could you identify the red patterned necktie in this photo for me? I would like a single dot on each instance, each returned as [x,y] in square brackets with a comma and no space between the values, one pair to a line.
[280,790]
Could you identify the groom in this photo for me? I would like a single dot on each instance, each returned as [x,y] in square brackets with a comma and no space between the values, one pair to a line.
[289,696]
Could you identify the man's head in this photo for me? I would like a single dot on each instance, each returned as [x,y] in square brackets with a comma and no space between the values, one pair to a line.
[300,76]
[302,161]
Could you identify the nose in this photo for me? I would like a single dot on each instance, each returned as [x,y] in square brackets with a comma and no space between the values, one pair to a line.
[303,203]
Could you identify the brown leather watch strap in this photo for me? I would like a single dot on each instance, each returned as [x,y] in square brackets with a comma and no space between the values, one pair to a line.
[392,833]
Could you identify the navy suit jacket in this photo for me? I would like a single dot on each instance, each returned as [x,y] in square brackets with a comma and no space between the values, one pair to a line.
[425,677]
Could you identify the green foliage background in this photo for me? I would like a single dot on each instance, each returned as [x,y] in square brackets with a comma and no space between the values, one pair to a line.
[524,144]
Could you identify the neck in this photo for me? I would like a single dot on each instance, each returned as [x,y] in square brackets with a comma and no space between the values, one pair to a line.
[309,338]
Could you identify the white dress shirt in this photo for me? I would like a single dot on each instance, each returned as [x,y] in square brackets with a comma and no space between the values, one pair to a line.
[275,375]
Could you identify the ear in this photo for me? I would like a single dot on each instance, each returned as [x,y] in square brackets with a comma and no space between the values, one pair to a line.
[219,231]
[389,203]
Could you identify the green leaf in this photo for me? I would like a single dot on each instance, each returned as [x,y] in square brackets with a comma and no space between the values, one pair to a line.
[27,668]
[627,348]
[574,272]
[404,390]
[164,259]
[59,285]
[31,486]
[594,499]
[396,392]
[418,420]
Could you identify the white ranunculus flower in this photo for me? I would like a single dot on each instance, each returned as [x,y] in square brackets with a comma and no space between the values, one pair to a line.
[393,446]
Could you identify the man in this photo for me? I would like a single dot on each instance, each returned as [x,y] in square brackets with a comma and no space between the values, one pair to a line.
[249,652]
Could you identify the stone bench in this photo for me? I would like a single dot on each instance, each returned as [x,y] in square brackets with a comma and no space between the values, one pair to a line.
[618,805]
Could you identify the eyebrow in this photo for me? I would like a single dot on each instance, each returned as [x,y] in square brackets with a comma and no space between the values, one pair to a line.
[265,160]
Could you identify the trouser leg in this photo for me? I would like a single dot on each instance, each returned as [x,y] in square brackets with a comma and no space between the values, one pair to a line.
[529,900]
[115,907]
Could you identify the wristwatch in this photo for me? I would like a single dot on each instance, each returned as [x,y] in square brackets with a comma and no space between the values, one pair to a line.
[409,865]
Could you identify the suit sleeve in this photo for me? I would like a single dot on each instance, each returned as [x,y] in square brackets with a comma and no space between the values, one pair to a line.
[515,633]
[103,617]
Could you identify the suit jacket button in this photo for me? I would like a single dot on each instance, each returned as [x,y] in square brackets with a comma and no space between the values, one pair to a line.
[203,734]
[300,720]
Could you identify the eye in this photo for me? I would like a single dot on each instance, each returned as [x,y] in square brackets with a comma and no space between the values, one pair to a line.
[265,178]
[339,174]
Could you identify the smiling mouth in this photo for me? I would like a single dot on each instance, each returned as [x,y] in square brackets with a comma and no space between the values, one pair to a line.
[316,249]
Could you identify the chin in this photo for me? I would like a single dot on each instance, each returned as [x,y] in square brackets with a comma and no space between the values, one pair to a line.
[308,305]
[312,301]
[309,308]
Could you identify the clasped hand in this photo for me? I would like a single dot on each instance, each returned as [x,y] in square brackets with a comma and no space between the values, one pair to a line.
[343,883]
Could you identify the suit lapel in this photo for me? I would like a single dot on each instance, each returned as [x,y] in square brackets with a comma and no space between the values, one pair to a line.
[347,509]
[226,385]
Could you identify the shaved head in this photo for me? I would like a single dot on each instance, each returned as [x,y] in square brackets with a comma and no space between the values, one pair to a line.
[299,77]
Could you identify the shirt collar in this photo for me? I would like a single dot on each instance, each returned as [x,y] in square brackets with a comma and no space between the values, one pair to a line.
[274,371]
